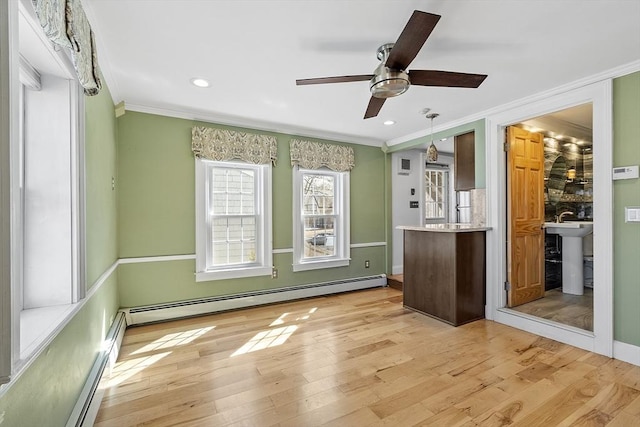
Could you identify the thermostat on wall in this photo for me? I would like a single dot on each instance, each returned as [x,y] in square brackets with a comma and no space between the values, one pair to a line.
[625,172]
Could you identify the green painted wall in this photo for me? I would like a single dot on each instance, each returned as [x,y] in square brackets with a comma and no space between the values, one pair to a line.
[626,236]
[156,212]
[478,127]
[101,200]
[45,394]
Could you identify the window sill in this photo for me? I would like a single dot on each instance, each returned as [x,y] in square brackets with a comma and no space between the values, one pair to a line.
[38,324]
[317,265]
[206,276]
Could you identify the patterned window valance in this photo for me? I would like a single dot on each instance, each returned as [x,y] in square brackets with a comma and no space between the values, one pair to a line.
[221,145]
[65,24]
[314,155]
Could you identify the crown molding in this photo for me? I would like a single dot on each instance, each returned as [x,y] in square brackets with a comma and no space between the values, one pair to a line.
[254,124]
[612,73]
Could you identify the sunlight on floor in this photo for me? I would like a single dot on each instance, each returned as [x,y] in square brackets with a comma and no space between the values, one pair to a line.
[266,339]
[174,340]
[130,368]
[279,320]
[272,337]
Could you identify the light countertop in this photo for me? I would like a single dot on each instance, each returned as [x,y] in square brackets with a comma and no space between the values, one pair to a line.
[445,228]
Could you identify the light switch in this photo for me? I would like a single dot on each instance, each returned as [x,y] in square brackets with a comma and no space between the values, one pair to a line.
[632,214]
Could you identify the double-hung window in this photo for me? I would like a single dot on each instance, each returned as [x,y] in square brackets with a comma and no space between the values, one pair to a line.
[321,219]
[233,221]
[436,195]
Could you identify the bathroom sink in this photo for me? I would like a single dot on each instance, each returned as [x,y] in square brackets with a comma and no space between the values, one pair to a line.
[569,228]
[572,233]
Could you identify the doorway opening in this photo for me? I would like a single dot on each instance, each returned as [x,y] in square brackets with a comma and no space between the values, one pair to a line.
[600,339]
[564,228]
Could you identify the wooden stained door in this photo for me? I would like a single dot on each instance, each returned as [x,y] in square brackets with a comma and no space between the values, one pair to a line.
[525,213]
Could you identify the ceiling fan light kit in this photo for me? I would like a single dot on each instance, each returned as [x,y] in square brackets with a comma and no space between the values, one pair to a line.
[391,79]
[387,83]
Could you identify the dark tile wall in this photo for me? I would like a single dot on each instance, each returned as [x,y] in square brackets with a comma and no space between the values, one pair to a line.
[578,193]
[577,198]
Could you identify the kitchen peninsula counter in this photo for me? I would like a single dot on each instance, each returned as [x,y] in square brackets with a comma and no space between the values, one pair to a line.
[444,271]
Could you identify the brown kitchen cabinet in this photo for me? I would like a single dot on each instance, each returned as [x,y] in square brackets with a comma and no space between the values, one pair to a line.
[464,162]
[444,272]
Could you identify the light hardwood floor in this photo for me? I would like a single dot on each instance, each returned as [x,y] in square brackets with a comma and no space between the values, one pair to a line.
[359,359]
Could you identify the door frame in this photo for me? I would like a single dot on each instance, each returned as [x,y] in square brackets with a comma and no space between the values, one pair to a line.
[600,95]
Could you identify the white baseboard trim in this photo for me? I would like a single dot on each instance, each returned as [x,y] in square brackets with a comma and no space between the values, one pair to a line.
[88,403]
[197,307]
[626,352]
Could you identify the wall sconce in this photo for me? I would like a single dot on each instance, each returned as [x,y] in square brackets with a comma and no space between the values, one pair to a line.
[571,173]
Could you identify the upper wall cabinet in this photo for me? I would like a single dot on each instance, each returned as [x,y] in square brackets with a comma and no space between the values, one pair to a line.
[465,162]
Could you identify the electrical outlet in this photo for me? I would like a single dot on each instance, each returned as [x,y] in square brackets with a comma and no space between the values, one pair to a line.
[274,273]
[366,264]
[113,183]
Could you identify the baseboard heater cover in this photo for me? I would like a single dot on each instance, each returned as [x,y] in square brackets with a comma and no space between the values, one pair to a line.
[197,307]
[86,408]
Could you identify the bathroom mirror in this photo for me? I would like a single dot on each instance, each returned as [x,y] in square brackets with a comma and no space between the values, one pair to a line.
[557,180]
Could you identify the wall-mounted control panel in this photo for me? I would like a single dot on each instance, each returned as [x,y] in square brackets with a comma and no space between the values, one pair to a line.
[413,204]
[625,172]
[632,214]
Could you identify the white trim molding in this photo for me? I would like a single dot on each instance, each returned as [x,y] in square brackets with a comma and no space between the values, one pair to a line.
[8,133]
[368,245]
[251,123]
[160,258]
[612,73]
[196,307]
[626,352]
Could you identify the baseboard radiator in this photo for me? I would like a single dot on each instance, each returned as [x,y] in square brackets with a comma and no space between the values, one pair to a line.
[88,403]
[197,307]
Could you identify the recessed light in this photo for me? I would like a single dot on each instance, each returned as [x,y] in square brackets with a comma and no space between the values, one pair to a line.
[389,123]
[200,82]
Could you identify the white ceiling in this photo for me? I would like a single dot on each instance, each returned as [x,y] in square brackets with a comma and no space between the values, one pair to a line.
[253,51]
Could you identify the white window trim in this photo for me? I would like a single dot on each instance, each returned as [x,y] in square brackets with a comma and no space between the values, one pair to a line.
[342,257]
[264,249]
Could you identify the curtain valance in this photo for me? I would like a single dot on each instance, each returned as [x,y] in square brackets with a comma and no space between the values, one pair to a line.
[65,24]
[314,155]
[222,144]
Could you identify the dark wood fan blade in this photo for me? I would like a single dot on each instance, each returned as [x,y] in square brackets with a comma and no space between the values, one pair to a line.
[445,78]
[411,39]
[375,104]
[338,79]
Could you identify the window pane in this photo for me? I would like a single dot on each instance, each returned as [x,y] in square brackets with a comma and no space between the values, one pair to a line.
[435,194]
[219,230]
[249,252]
[319,236]
[248,203]
[219,254]
[317,194]
[247,178]
[235,229]
[249,229]
[232,191]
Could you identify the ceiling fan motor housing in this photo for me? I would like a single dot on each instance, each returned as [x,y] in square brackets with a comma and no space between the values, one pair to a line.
[386,82]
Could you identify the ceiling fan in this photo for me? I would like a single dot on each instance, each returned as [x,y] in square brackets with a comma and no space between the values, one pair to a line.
[390,79]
